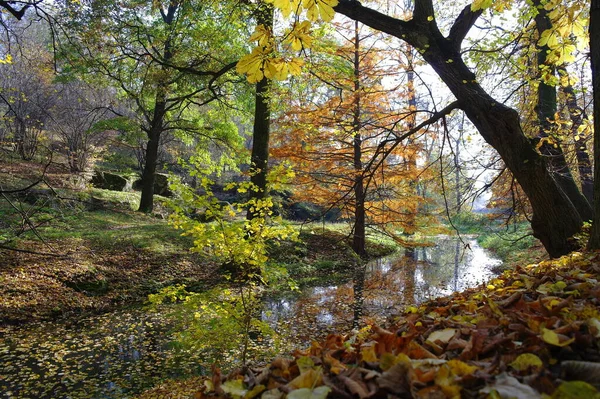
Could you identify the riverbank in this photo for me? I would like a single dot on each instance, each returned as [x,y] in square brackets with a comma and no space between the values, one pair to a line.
[98,261]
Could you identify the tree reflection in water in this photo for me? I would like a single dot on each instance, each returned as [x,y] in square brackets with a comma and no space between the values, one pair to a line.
[382,288]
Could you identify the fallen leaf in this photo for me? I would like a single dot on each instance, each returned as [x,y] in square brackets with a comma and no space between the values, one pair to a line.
[307,393]
[443,336]
[575,390]
[526,361]
[509,387]
[552,338]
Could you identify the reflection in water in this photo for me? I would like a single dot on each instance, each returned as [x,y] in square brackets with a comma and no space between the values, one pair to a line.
[382,287]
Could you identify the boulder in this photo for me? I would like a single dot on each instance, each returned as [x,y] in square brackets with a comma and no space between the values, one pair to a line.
[161,185]
[110,181]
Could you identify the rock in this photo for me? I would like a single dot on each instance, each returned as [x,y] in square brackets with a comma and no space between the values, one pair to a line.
[110,181]
[161,185]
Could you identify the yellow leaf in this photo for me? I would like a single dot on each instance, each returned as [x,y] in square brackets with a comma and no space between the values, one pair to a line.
[368,353]
[304,364]
[324,8]
[548,38]
[309,379]
[235,388]
[286,6]
[480,4]
[307,393]
[445,380]
[461,368]
[575,390]
[6,60]
[262,34]
[552,338]
[299,37]
[526,361]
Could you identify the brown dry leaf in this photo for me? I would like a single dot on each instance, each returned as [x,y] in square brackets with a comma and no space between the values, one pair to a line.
[335,366]
[357,387]
[396,379]
[416,351]
[441,336]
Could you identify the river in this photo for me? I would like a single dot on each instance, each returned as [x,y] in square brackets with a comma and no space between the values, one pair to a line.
[121,353]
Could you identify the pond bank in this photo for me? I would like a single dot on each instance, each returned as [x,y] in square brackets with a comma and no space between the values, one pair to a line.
[119,264]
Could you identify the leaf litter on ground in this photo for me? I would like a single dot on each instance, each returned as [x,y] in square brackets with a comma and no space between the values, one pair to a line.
[533,332]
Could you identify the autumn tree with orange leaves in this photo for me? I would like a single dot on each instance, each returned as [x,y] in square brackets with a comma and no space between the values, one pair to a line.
[341,134]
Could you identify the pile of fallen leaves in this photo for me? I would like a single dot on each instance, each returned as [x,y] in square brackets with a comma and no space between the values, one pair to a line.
[531,333]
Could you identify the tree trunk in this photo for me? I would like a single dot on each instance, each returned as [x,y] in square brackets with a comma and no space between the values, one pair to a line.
[546,111]
[594,242]
[555,218]
[584,163]
[262,127]
[156,124]
[359,239]
[411,161]
[149,173]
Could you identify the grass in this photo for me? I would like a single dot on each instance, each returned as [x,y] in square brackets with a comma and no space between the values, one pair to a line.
[515,245]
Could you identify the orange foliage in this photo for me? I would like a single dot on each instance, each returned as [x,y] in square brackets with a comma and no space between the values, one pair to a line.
[343,135]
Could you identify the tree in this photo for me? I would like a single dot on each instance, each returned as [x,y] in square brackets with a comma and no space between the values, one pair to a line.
[555,218]
[27,99]
[170,59]
[75,120]
[338,133]
[594,241]
[259,158]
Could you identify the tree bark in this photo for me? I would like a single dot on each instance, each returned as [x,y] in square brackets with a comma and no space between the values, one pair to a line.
[555,218]
[594,241]
[411,161]
[262,127]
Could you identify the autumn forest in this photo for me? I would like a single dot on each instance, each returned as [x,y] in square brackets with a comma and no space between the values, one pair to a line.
[299,199]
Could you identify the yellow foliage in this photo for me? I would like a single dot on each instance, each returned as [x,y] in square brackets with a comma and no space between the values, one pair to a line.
[322,8]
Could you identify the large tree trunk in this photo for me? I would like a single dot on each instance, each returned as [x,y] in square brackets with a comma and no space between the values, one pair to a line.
[594,242]
[555,218]
[262,126]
